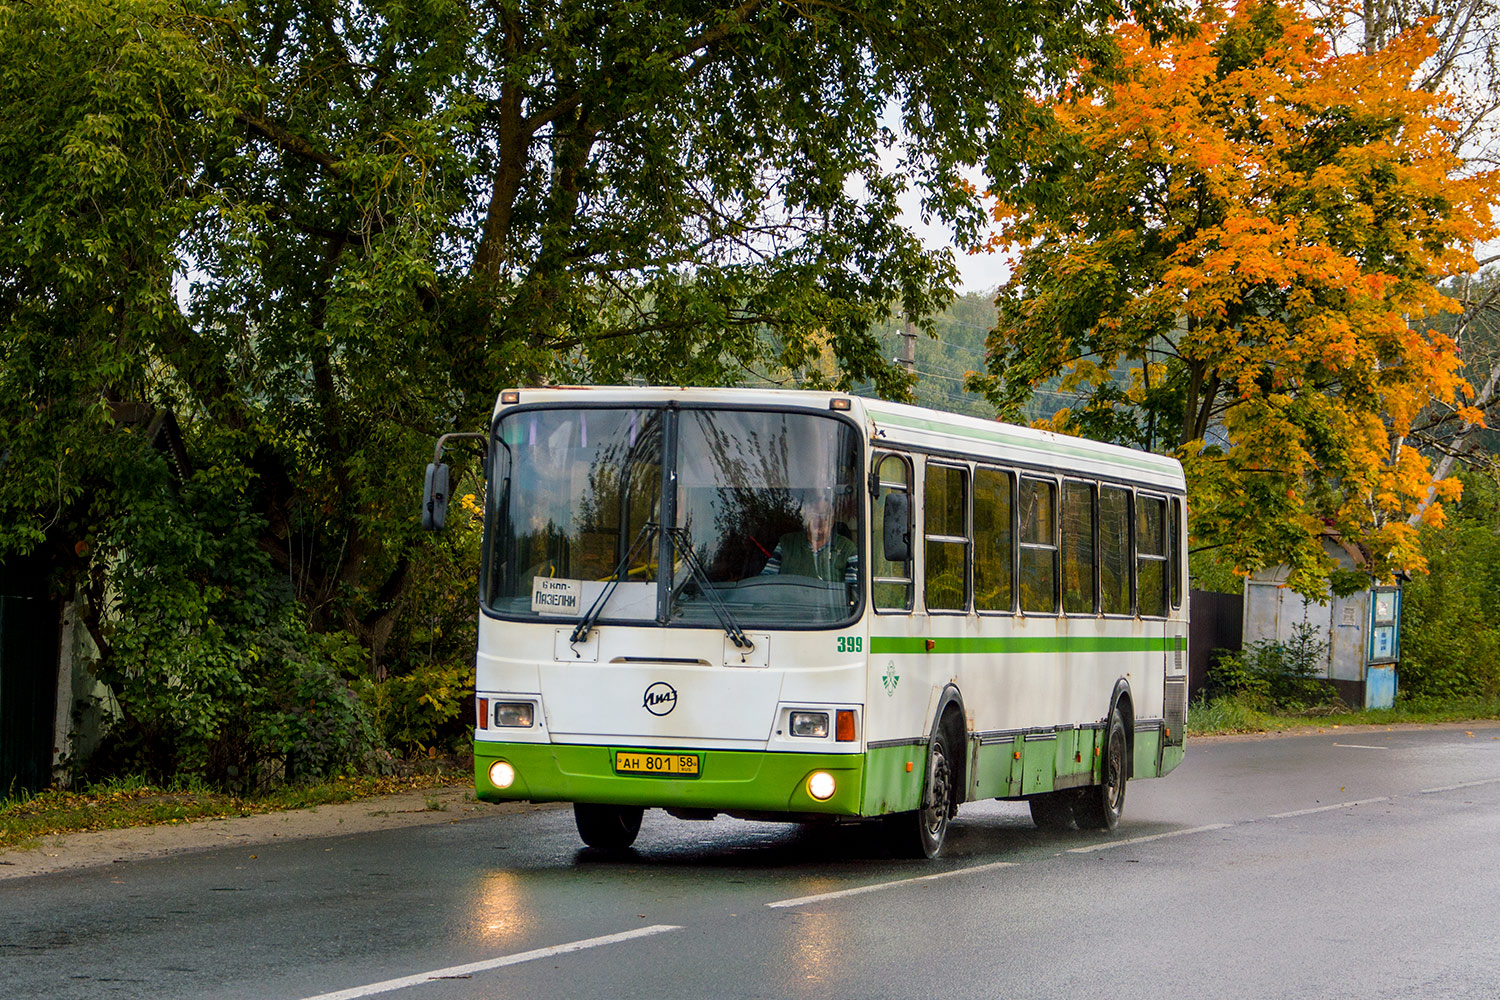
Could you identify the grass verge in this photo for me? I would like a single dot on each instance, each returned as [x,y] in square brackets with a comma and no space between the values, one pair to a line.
[117,804]
[1242,715]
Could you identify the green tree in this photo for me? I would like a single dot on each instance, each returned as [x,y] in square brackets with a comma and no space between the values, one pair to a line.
[1450,645]
[322,233]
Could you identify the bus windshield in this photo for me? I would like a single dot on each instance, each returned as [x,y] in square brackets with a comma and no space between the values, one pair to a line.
[762,518]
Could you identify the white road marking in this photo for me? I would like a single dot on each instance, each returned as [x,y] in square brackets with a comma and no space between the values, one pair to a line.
[839,894]
[1324,809]
[459,971]
[1461,784]
[1143,840]
[1360,746]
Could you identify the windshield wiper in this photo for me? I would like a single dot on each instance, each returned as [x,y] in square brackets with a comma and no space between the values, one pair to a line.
[681,543]
[586,623]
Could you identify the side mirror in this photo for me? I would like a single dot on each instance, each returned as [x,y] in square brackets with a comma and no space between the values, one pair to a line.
[896,524]
[435,497]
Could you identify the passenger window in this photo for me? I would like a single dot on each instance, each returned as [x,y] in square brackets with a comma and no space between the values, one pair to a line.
[1174,552]
[1078,548]
[1114,550]
[946,504]
[891,586]
[1151,555]
[993,536]
[1038,544]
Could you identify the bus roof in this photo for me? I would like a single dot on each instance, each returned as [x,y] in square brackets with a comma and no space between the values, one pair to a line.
[905,426]
[935,430]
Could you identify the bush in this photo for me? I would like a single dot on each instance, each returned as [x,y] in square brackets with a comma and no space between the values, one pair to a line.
[1232,676]
[310,723]
[423,711]
[203,644]
[1268,676]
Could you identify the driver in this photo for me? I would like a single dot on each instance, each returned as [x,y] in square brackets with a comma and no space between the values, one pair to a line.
[816,550]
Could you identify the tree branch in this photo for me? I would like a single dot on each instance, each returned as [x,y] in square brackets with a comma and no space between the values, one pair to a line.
[516,130]
[289,141]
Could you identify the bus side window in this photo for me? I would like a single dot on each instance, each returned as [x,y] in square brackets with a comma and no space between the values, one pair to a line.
[1174,551]
[945,507]
[1114,550]
[994,537]
[1151,555]
[1078,561]
[1038,547]
[891,578]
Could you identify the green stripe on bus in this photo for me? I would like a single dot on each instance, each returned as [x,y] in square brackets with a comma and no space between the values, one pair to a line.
[1050,449]
[900,644]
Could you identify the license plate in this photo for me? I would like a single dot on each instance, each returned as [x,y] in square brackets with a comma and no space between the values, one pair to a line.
[635,762]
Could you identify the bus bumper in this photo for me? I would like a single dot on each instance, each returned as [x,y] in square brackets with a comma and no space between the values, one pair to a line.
[727,780]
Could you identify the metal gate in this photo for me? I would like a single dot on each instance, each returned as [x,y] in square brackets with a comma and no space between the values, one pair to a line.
[1215,623]
[28,678]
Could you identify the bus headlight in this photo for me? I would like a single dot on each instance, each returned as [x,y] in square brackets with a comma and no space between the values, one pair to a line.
[502,775]
[514,714]
[811,724]
[821,786]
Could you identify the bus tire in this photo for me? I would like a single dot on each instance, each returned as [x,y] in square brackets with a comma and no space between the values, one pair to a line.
[920,833]
[1053,810]
[607,828]
[1099,806]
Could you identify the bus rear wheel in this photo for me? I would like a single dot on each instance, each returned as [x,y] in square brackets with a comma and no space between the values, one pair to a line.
[607,828]
[1099,806]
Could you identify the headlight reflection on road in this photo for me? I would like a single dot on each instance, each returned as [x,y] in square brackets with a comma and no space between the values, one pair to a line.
[502,908]
[819,938]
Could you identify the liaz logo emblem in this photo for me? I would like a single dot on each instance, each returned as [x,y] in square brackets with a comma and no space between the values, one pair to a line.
[890,678]
[660,699]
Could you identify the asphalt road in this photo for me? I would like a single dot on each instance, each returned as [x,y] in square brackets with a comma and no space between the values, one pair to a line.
[1345,864]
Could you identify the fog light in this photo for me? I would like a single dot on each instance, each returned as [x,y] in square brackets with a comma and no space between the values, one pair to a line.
[513,714]
[502,775]
[821,786]
[811,724]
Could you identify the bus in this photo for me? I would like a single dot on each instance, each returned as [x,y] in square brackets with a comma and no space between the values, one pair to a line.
[816,607]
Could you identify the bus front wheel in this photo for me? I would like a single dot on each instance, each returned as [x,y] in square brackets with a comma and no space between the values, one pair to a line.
[1099,806]
[608,828]
[920,834]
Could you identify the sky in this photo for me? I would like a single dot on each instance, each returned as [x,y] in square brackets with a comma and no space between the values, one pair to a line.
[978,272]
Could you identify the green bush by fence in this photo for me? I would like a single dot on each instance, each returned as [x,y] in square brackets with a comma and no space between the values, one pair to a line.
[1270,675]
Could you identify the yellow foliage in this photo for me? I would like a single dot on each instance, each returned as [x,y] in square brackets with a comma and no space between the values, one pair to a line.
[1284,216]
[1471,415]
[1057,423]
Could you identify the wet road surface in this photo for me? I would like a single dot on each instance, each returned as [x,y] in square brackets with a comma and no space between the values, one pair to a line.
[1343,864]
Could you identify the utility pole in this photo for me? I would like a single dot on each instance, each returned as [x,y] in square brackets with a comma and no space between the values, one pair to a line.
[908,358]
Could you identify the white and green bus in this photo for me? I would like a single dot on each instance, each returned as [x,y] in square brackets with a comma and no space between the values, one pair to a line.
[809,606]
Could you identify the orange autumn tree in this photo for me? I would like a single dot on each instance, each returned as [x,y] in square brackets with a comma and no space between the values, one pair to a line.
[1229,249]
